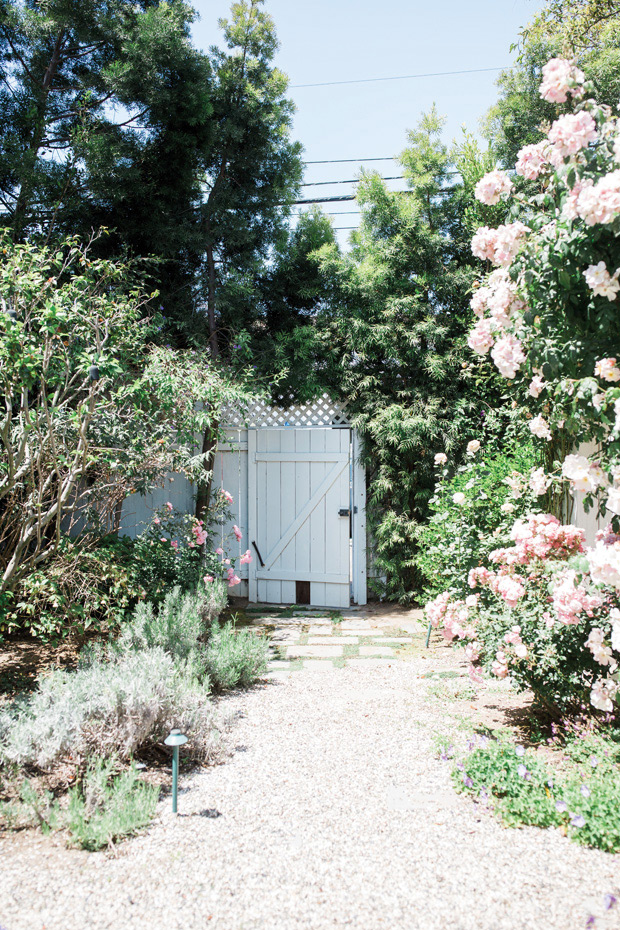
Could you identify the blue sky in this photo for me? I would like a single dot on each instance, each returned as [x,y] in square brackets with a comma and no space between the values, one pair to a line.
[336,40]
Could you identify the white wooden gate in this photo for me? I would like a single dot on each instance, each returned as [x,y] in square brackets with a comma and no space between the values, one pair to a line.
[299,509]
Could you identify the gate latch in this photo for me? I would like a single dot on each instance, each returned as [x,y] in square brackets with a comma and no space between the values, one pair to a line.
[344,513]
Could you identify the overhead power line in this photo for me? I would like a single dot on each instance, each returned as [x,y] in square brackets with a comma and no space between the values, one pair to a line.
[397,177]
[349,161]
[399,77]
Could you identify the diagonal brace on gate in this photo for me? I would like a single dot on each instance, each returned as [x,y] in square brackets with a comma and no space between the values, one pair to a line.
[330,478]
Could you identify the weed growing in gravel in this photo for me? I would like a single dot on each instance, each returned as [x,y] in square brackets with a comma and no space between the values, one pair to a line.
[581,795]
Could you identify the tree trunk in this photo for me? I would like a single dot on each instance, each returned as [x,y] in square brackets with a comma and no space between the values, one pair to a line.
[203,495]
[30,157]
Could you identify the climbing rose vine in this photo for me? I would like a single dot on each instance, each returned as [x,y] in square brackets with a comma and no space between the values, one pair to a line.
[547,610]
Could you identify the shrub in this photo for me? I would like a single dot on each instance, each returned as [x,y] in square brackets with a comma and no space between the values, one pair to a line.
[106,807]
[234,658]
[83,586]
[471,514]
[537,616]
[178,625]
[114,705]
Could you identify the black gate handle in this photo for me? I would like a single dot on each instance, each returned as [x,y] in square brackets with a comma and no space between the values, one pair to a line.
[260,558]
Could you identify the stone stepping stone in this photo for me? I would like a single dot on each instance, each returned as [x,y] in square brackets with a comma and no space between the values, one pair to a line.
[322,664]
[335,640]
[403,640]
[370,663]
[376,651]
[300,652]
[365,633]
[320,630]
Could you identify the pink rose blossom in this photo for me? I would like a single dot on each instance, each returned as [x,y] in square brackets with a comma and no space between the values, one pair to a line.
[540,428]
[227,496]
[572,132]
[169,506]
[490,188]
[508,356]
[237,533]
[607,369]
[246,558]
[219,551]
[561,78]
[603,693]
[537,386]
[600,282]
[532,160]
[208,579]
[571,599]
[600,202]
[480,339]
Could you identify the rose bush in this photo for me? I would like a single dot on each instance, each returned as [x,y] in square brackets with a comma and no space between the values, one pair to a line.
[545,610]
[472,512]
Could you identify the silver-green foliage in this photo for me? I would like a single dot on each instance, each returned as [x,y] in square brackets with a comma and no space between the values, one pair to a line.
[113,705]
[234,658]
[107,807]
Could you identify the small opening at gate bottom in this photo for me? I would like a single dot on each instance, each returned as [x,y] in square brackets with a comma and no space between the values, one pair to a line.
[302,592]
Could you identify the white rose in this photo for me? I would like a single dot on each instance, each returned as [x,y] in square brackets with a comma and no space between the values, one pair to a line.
[473,446]
[613,500]
[459,498]
[441,458]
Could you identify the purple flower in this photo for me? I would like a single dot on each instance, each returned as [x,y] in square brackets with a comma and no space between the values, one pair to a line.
[550,782]
[591,921]
[593,761]
[520,751]
[585,791]
[523,772]
[460,766]
[577,821]
[468,782]
[609,901]
[561,806]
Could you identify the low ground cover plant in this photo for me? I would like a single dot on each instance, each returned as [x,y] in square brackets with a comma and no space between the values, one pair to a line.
[579,793]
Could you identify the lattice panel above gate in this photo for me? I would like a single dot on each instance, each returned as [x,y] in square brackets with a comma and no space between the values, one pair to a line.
[321,412]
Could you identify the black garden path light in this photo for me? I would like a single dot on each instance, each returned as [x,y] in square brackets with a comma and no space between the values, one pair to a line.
[175,739]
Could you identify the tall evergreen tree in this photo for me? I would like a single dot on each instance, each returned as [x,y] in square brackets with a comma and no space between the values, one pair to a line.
[253,171]
[389,337]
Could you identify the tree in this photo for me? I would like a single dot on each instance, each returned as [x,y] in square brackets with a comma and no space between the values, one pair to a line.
[254,169]
[104,118]
[390,340]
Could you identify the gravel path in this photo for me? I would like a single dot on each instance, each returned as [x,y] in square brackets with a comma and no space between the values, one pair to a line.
[333,812]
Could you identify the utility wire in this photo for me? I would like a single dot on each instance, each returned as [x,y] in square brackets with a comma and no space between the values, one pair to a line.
[342,161]
[400,77]
[397,177]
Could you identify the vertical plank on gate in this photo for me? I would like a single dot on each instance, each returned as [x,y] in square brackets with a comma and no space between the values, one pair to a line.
[287,514]
[252,514]
[302,496]
[360,594]
[270,527]
[261,507]
[317,520]
[336,527]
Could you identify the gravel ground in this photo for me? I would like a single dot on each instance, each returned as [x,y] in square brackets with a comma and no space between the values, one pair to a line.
[333,812]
